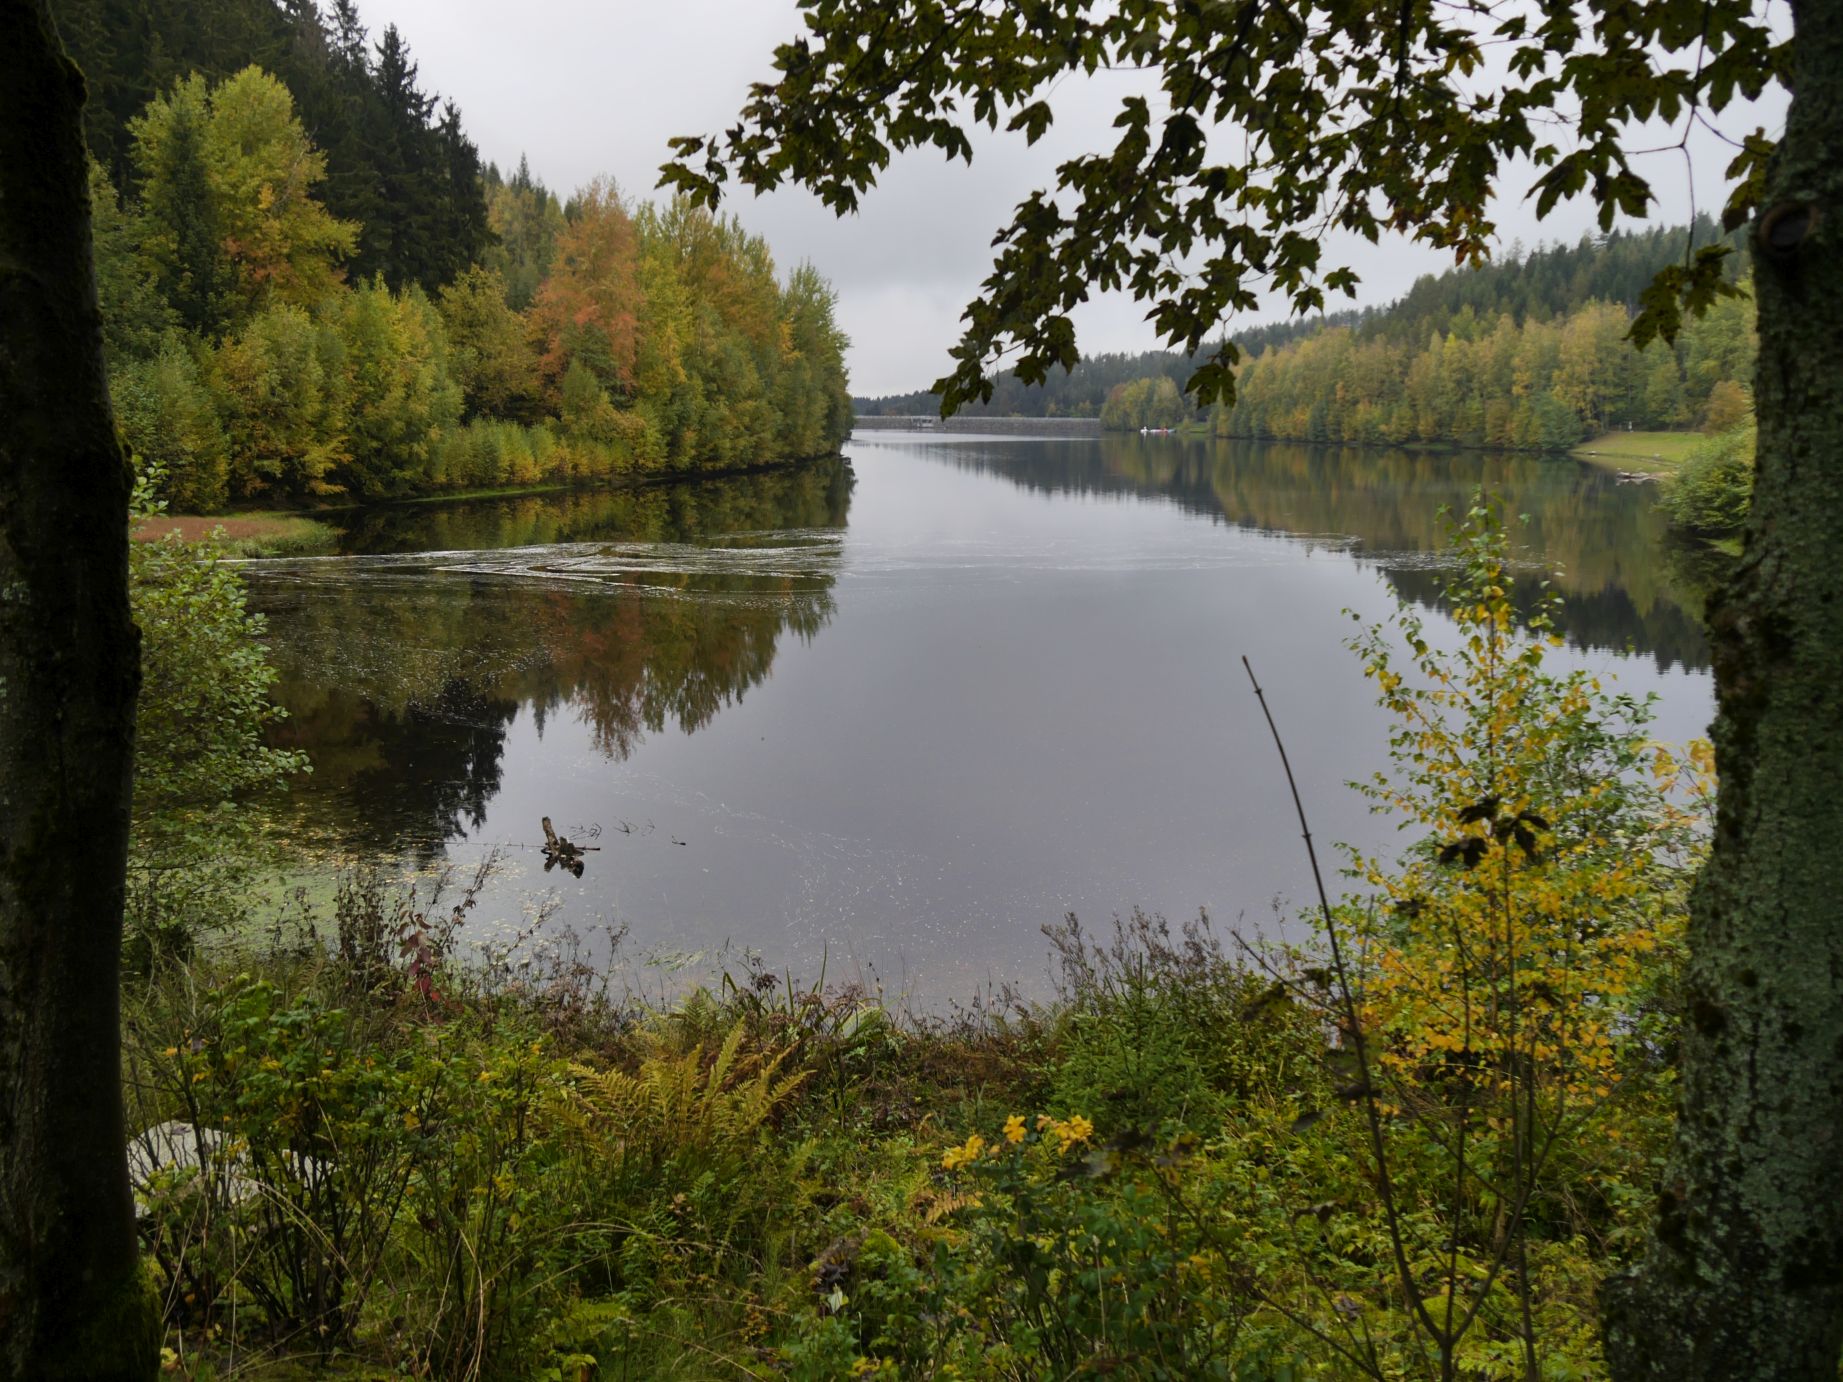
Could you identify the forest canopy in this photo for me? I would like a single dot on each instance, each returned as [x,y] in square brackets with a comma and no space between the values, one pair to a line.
[1483,381]
[311,287]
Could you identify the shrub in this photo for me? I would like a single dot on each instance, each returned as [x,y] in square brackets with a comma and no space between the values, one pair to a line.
[1711,495]
[1496,999]
[495,1227]
[1160,1032]
[301,1166]
[200,740]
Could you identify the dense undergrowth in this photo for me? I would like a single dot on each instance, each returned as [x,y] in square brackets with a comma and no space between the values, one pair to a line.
[1410,1142]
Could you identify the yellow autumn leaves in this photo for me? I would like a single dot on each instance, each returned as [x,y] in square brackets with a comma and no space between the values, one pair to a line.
[1062,1133]
[1506,957]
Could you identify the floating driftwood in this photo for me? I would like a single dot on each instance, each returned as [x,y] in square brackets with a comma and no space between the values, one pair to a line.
[562,853]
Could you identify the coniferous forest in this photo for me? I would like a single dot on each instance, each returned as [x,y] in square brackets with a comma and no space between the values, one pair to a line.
[313,289]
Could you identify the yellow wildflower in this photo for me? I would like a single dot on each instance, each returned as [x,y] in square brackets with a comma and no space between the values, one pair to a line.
[967,1151]
[1014,1128]
[1070,1131]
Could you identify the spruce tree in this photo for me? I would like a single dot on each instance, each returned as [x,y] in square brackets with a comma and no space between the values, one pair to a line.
[194,276]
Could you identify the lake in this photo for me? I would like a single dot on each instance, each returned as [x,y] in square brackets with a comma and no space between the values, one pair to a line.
[893,714]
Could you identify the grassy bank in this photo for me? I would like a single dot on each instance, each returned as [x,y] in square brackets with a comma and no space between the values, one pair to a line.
[1648,453]
[246,534]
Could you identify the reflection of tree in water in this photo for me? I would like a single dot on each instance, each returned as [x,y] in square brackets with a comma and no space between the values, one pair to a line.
[669,650]
[402,680]
[1604,541]
[1600,618]
[810,496]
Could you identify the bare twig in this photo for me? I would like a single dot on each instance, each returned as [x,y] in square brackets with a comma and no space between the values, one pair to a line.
[1353,1023]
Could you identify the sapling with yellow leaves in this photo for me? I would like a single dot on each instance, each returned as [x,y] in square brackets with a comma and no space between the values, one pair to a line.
[1507,957]
[1495,991]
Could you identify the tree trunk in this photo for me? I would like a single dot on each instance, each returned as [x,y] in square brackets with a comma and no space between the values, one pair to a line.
[1744,1276]
[72,1301]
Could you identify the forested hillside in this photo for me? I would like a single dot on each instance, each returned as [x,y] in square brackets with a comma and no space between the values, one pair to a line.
[1079,393]
[1482,381]
[1541,285]
[311,287]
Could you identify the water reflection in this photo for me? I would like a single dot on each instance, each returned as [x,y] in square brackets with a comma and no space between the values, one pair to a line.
[814,496]
[1603,541]
[403,668]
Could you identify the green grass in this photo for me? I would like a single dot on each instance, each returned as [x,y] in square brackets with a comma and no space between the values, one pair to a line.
[1654,453]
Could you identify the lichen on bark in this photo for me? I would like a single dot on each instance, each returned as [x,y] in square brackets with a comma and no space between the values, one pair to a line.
[1744,1275]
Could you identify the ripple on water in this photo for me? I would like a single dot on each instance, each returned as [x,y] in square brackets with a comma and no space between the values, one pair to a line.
[728,568]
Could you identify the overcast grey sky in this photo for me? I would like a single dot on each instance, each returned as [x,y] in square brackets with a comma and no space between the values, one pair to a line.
[584,87]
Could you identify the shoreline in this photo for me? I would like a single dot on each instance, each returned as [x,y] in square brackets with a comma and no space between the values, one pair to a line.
[1654,455]
[1650,465]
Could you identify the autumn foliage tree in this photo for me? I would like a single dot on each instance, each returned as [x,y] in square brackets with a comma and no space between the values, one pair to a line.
[250,365]
[526,220]
[1492,381]
[489,353]
[588,310]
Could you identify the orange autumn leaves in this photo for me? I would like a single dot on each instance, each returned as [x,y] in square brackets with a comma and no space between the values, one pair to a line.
[589,308]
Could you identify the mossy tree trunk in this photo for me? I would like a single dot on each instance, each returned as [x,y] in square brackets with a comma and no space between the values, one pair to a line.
[1744,1277]
[72,1301]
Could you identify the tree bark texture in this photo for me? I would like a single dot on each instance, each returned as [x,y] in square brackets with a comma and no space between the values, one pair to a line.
[1744,1276]
[72,1301]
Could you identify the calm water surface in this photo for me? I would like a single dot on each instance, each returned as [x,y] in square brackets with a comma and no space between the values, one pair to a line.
[899,712]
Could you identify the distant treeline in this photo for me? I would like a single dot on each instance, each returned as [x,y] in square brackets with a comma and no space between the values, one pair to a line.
[266,343]
[1079,393]
[1484,381]
[1538,286]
